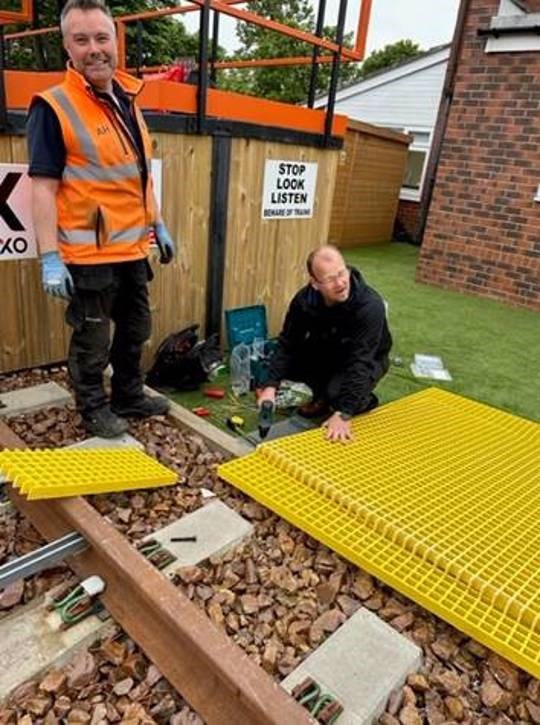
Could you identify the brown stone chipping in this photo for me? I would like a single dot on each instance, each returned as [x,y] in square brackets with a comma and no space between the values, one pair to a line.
[278,596]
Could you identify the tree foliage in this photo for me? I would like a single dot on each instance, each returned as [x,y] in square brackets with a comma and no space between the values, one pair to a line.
[163,40]
[389,55]
[166,38]
[282,83]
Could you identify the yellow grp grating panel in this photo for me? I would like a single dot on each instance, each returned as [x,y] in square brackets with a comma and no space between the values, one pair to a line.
[57,473]
[438,496]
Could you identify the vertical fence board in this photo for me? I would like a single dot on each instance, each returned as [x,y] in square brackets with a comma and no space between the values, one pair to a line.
[44,334]
[178,291]
[264,260]
[11,338]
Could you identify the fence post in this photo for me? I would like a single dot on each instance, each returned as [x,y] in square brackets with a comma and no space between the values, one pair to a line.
[315,54]
[217,233]
[202,89]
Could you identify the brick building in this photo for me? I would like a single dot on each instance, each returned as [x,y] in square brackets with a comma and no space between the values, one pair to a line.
[482,209]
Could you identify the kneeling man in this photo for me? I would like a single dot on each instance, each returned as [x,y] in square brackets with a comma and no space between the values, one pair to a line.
[335,338]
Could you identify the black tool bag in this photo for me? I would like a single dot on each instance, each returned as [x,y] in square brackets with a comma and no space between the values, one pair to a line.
[183,362]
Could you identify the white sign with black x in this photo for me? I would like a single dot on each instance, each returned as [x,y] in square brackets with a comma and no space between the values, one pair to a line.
[17,238]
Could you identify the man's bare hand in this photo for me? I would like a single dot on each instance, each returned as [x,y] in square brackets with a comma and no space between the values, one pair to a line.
[338,429]
[268,393]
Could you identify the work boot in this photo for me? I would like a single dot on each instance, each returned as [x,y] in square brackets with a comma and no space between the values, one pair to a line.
[143,406]
[314,409]
[104,423]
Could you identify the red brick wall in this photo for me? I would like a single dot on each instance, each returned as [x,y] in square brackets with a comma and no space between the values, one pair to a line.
[483,229]
[407,217]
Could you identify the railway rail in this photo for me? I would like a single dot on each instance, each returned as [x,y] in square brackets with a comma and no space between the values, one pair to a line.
[212,673]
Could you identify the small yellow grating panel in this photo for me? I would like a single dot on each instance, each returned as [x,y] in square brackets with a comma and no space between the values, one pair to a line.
[57,473]
[437,495]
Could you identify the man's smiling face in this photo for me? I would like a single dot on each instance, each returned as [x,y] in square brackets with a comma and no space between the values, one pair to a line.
[90,42]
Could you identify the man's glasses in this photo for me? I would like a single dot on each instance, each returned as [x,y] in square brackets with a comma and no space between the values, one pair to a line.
[332,279]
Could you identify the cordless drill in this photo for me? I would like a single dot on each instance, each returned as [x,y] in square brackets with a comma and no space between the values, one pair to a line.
[266,418]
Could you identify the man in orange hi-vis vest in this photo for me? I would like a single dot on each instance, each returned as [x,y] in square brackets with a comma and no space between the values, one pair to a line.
[94,212]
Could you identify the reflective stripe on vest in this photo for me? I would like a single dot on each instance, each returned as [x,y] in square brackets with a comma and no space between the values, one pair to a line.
[105,213]
[94,170]
[88,236]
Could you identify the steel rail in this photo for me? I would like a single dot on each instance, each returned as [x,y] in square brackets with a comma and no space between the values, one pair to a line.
[251,63]
[42,558]
[218,680]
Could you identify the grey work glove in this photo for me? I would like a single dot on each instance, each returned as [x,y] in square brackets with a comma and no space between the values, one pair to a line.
[55,276]
[164,242]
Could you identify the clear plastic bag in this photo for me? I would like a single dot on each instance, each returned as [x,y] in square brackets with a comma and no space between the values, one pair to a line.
[240,365]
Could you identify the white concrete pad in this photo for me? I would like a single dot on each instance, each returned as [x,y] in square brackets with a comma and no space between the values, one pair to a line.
[361,664]
[120,441]
[32,643]
[26,400]
[217,528]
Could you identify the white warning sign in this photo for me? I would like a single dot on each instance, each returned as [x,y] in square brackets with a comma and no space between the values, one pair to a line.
[289,189]
[17,238]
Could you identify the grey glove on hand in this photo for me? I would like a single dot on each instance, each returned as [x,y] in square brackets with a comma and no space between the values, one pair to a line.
[55,276]
[164,242]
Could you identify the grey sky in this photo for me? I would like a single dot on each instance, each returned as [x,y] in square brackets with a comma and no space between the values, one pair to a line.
[427,22]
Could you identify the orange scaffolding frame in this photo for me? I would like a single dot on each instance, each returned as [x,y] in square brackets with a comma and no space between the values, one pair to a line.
[17,94]
[227,8]
[24,15]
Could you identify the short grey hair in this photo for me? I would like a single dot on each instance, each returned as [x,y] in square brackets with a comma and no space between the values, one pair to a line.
[82,5]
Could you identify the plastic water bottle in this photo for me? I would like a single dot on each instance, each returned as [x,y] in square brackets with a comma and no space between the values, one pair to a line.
[240,369]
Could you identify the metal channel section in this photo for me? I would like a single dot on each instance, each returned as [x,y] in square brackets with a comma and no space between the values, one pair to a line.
[213,674]
[43,558]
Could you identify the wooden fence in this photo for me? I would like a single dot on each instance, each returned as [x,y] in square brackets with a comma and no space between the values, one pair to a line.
[228,255]
[368,182]
[264,259]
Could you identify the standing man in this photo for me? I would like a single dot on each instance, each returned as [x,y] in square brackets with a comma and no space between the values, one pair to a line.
[94,210]
[336,340]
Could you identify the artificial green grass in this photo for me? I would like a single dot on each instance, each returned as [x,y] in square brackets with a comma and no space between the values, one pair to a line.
[490,349]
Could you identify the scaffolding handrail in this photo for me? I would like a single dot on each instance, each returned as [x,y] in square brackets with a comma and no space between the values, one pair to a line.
[226,7]
[24,15]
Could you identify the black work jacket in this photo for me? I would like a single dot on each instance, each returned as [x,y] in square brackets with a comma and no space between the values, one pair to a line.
[351,337]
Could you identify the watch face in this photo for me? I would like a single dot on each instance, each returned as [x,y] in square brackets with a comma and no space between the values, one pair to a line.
[344,416]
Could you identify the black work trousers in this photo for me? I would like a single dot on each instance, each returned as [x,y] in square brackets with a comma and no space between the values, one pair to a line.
[104,293]
[326,381]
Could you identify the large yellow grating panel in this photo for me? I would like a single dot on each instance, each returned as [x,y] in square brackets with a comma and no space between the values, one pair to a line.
[57,473]
[438,496]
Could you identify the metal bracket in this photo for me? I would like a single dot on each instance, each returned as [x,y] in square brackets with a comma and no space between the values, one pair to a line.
[43,558]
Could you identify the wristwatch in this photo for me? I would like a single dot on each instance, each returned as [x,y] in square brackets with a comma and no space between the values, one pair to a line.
[343,416]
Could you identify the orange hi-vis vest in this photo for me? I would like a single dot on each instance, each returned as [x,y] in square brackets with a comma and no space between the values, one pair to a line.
[104,213]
